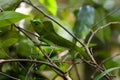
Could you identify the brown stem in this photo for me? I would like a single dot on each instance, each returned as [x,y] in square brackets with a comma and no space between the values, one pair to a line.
[76,70]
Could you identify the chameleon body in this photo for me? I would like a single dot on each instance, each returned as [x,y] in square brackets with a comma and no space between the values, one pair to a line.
[48,35]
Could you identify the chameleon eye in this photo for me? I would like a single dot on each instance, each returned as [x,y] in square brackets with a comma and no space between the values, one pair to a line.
[36,23]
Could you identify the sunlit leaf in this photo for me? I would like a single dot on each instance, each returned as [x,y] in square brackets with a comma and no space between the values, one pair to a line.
[84,21]
[98,77]
[10,17]
[51,5]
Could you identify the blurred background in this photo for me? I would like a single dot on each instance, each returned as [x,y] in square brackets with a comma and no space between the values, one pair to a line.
[106,41]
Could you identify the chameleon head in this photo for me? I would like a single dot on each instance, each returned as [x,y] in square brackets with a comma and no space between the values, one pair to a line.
[35,22]
[37,25]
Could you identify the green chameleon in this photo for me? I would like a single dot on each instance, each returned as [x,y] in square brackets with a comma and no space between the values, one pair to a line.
[48,35]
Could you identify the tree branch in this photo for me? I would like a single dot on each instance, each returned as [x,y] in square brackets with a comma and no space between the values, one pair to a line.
[28,60]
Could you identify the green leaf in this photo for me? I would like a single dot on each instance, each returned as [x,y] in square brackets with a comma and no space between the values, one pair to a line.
[10,34]
[107,33]
[113,62]
[9,38]
[2,51]
[26,48]
[23,48]
[10,17]
[51,5]
[98,77]
[9,4]
[84,21]
[92,44]
[9,42]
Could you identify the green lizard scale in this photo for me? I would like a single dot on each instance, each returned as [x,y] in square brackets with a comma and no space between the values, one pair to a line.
[48,34]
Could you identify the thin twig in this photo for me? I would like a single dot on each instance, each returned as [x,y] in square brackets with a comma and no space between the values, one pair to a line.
[98,68]
[51,52]
[28,60]
[105,60]
[29,70]
[26,31]
[98,29]
[70,67]
[11,77]
[109,14]
[35,61]
[76,70]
